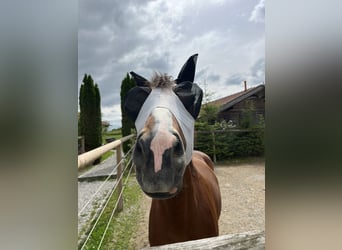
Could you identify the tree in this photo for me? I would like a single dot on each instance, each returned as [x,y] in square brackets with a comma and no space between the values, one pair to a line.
[127,125]
[208,112]
[90,113]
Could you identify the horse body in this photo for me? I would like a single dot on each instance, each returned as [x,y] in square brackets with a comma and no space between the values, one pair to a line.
[194,212]
[186,201]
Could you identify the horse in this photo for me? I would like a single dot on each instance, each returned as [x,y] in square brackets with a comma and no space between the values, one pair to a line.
[186,198]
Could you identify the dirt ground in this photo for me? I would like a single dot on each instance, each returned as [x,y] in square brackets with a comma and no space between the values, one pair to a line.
[243,201]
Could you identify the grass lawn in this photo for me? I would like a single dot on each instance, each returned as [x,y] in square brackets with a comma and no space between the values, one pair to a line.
[123,224]
[111,134]
[116,134]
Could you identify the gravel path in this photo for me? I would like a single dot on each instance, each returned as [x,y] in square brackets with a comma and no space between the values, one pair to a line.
[86,192]
[103,169]
[243,198]
[243,201]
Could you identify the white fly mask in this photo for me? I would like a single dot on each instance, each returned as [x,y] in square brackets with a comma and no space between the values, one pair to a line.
[166,98]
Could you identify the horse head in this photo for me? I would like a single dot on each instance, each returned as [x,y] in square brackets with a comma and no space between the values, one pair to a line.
[164,111]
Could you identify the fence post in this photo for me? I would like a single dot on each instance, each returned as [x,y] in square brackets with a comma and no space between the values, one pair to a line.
[82,148]
[118,174]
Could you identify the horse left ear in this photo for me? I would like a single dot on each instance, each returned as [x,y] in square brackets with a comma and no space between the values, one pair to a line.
[187,73]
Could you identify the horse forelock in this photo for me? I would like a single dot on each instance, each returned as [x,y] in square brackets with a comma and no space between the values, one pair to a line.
[161,81]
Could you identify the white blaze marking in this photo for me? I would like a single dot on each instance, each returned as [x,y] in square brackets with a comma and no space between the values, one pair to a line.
[163,138]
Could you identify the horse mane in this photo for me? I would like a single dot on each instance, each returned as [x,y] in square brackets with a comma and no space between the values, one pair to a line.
[161,81]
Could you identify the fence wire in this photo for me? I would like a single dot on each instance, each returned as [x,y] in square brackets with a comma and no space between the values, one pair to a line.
[98,190]
[115,207]
[104,182]
[109,196]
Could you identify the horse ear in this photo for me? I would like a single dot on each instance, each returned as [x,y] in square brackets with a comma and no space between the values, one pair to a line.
[187,73]
[139,80]
[134,100]
[191,96]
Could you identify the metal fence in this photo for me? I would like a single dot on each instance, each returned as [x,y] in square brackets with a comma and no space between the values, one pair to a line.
[123,165]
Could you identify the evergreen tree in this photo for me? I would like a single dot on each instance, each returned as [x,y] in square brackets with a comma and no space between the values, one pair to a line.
[127,125]
[98,119]
[90,113]
[208,114]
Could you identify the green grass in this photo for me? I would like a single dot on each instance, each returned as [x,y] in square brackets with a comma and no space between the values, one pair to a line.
[123,225]
[106,155]
[110,134]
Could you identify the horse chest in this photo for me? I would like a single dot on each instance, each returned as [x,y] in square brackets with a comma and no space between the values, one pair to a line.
[188,216]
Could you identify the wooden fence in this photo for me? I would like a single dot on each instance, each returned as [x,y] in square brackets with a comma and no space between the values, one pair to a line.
[86,159]
[249,240]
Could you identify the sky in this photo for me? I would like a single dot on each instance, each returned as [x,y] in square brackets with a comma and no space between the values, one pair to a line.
[116,37]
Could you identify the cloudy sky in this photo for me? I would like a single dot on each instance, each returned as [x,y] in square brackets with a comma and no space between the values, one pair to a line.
[116,37]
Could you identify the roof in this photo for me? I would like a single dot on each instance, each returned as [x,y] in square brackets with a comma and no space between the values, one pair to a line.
[105,123]
[229,101]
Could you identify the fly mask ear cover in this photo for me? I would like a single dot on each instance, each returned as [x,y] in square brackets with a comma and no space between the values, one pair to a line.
[191,96]
[166,98]
[134,100]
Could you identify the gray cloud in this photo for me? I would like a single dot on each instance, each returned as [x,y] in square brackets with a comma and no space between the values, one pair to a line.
[116,37]
[201,74]
[257,71]
[258,13]
[205,75]
[254,76]
[213,77]
[235,79]
[258,68]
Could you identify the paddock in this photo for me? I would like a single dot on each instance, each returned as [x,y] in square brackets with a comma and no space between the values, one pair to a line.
[243,199]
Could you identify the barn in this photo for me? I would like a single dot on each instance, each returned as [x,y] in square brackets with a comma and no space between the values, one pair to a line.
[232,107]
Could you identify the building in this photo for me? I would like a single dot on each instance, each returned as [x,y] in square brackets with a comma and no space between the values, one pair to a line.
[232,107]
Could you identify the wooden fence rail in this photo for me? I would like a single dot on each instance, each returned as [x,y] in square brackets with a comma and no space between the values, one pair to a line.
[249,240]
[87,158]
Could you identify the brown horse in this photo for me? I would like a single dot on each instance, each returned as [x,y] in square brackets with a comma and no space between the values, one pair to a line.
[186,200]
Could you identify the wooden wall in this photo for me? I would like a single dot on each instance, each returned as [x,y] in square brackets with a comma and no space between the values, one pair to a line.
[235,113]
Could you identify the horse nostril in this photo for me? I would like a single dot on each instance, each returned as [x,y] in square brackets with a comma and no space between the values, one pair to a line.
[178,148]
[138,147]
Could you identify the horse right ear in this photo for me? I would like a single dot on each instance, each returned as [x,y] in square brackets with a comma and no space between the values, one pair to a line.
[134,100]
[139,80]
